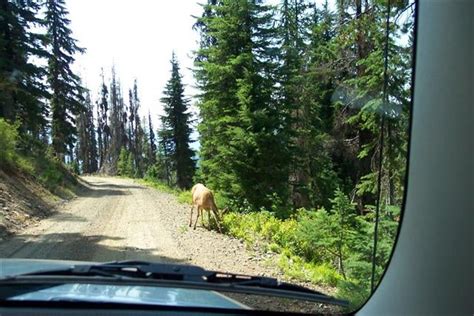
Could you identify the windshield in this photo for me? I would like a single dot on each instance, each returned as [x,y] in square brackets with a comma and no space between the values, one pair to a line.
[258,138]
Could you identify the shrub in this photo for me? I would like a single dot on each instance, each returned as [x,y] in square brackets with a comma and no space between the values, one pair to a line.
[297,268]
[8,141]
[285,236]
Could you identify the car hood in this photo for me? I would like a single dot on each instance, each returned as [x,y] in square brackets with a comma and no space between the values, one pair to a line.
[110,293]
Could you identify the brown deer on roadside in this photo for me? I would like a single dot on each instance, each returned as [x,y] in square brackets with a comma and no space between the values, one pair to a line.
[203,198]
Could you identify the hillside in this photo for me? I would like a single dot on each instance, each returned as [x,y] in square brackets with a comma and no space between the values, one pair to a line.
[24,200]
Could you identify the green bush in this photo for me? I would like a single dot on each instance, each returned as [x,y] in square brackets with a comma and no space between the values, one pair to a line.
[125,164]
[8,141]
[299,269]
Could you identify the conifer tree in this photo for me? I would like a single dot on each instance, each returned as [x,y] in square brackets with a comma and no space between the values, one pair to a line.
[292,34]
[176,130]
[22,91]
[66,91]
[244,134]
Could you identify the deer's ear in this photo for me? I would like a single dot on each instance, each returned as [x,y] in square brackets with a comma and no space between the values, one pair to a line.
[225,210]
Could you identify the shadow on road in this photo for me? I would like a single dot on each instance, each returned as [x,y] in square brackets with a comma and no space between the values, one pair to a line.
[105,185]
[94,192]
[75,246]
[100,189]
[67,217]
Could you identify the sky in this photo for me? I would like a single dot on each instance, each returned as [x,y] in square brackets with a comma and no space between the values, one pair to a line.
[138,37]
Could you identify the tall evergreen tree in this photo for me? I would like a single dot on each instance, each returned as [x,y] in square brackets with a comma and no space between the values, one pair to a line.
[66,91]
[22,91]
[243,148]
[176,130]
[292,34]
[361,103]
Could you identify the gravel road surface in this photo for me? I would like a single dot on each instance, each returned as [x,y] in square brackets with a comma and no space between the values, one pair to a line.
[118,219]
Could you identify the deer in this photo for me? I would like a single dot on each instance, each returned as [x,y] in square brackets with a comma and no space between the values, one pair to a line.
[203,199]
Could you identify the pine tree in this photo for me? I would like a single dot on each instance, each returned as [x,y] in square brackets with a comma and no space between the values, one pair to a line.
[22,91]
[315,120]
[176,130]
[243,148]
[66,91]
[293,26]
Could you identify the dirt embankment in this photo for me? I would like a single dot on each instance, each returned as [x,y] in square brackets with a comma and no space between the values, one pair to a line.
[23,201]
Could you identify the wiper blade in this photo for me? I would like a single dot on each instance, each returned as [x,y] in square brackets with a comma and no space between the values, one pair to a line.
[186,276]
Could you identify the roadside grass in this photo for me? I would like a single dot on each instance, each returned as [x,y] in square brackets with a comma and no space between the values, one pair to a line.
[183,196]
[160,186]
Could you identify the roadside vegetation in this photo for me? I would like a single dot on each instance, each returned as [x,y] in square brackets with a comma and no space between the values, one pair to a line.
[329,247]
[36,160]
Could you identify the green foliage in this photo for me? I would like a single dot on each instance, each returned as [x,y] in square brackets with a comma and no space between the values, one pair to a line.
[243,151]
[22,88]
[8,141]
[185,197]
[331,247]
[297,268]
[176,130]
[122,163]
[125,164]
[356,293]
[74,167]
[66,90]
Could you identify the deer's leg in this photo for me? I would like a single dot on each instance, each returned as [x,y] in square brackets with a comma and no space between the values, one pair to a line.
[209,219]
[191,216]
[197,217]
[217,222]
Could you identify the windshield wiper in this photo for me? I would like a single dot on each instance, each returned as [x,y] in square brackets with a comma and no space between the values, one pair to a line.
[175,275]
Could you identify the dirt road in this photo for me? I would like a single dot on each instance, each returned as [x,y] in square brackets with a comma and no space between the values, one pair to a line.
[117,219]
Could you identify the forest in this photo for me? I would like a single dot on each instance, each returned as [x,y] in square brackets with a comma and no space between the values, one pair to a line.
[303,124]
